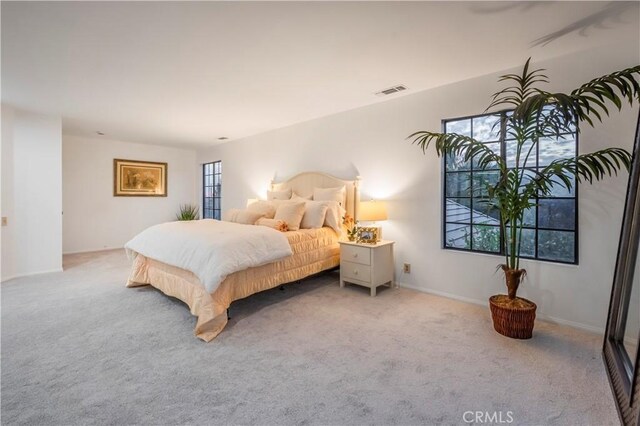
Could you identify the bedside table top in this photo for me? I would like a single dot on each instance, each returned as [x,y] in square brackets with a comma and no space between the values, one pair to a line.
[378,244]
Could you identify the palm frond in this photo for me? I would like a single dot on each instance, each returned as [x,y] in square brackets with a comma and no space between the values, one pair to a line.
[588,103]
[458,145]
[586,167]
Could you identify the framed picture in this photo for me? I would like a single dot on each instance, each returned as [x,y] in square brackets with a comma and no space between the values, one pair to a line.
[368,235]
[132,178]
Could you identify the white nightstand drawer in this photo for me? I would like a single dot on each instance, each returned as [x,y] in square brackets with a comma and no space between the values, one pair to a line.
[350,253]
[355,271]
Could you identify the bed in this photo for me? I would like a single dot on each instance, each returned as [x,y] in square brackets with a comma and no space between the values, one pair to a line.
[312,251]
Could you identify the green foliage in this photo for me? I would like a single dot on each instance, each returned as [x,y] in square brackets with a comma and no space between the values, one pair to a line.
[536,115]
[188,212]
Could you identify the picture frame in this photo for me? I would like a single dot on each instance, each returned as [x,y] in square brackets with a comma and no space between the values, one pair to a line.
[368,235]
[135,178]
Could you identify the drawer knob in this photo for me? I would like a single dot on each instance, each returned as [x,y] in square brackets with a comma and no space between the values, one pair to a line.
[355,272]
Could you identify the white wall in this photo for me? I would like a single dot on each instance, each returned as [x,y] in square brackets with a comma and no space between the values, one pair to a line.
[31,193]
[370,141]
[93,218]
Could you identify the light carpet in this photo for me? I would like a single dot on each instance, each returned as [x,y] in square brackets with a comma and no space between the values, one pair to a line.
[80,348]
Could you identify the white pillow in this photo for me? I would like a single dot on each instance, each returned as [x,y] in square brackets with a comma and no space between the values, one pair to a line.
[243,216]
[334,216]
[267,208]
[298,197]
[291,213]
[330,194]
[279,195]
[314,215]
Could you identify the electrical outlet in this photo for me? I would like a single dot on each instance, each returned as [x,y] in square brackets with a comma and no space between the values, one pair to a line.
[4,221]
[406,268]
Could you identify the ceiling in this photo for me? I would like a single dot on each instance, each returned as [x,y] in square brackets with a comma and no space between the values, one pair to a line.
[187,73]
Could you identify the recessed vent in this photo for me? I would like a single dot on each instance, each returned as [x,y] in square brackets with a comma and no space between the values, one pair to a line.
[391,90]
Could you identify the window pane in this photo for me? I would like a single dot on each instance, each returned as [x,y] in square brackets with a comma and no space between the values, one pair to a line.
[485,213]
[556,245]
[458,184]
[495,147]
[529,216]
[486,238]
[486,128]
[511,152]
[208,180]
[208,169]
[458,210]
[560,190]
[216,203]
[528,245]
[554,149]
[481,180]
[556,214]
[456,162]
[461,127]
[458,236]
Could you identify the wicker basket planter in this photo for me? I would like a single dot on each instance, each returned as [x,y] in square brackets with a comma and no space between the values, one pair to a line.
[512,317]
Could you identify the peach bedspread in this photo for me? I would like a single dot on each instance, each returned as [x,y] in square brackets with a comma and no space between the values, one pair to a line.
[314,250]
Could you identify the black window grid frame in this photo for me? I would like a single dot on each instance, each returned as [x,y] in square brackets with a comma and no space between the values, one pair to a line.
[216,180]
[502,141]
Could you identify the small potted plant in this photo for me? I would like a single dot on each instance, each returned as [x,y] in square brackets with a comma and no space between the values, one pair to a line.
[188,212]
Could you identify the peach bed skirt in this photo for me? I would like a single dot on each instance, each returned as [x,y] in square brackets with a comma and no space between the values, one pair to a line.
[314,250]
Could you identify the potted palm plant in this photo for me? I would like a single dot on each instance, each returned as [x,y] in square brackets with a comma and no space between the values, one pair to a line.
[535,114]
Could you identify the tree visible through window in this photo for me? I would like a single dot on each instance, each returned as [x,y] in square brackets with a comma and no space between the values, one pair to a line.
[550,231]
[211,189]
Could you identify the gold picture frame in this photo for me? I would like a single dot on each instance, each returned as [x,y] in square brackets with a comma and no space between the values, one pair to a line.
[133,178]
[368,235]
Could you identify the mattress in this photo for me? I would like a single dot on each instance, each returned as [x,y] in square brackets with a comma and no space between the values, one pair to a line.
[314,250]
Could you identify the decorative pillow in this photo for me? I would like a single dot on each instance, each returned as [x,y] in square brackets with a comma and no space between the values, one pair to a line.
[333,219]
[245,217]
[291,213]
[272,223]
[330,194]
[267,208]
[314,215]
[279,195]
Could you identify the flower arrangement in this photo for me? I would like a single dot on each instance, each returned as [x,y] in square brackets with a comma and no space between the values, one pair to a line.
[352,226]
[282,226]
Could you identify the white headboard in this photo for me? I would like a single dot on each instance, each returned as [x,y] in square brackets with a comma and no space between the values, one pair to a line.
[303,184]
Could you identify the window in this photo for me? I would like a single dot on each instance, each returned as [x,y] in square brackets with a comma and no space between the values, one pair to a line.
[550,227]
[211,190]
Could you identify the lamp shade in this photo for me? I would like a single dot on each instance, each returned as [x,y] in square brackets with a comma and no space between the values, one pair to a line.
[371,211]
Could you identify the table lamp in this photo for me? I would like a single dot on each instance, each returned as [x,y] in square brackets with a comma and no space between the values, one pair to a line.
[373,211]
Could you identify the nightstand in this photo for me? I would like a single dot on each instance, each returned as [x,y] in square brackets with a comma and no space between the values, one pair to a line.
[368,265]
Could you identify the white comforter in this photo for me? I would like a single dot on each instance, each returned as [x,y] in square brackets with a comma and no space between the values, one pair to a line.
[209,248]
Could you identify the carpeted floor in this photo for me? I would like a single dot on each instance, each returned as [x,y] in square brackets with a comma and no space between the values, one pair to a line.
[80,348]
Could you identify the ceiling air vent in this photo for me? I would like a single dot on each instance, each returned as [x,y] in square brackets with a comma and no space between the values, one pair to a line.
[391,90]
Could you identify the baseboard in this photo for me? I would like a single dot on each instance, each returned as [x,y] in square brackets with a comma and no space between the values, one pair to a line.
[92,250]
[30,274]
[547,318]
